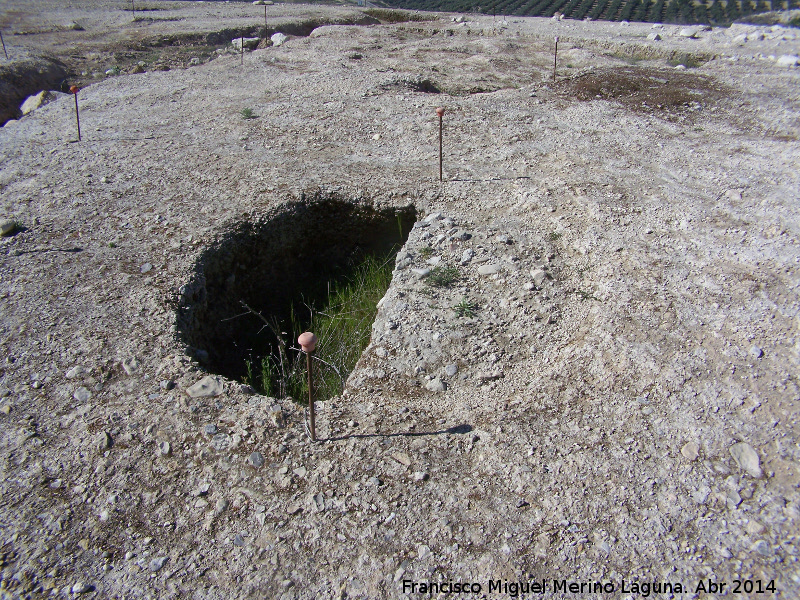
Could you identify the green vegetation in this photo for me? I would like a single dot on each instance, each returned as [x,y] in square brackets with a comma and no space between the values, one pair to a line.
[342,325]
[396,16]
[555,236]
[426,252]
[687,60]
[442,276]
[247,113]
[465,309]
[651,11]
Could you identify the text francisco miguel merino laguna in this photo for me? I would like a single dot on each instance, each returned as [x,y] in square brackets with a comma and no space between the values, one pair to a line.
[516,588]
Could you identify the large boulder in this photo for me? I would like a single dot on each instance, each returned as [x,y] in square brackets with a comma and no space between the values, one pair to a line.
[22,78]
[44,97]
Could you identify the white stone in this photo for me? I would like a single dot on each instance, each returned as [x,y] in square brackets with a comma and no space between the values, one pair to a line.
[249,43]
[205,388]
[130,365]
[747,459]
[690,450]
[82,394]
[7,226]
[278,39]
[33,102]
[436,385]
[538,277]
[654,37]
[788,60]
[490,269]
[75,372]
[688,32]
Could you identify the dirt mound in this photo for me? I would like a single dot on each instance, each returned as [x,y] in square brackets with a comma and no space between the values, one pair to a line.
[645,89]
[22,78]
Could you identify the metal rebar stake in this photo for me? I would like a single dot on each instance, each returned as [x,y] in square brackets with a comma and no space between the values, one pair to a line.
[440,112]
[308,342]
[265,22]
[555,60]
[74,90]
[4,45]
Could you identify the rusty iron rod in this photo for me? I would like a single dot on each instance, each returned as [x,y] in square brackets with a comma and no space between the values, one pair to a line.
[555,59]
[74,90]
[440,113]
[4,45]
[311,399]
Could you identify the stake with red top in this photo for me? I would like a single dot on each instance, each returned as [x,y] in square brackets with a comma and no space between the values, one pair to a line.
[74,89]
[308,343]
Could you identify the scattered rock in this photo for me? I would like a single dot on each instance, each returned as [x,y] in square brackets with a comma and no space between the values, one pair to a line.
[788,60]
[207,387]
[490,376]
[81,588]
[754,527]
[82,394]
[137,69]
[747,459]
[756,352]
[256,460]
[103,441]
[436,385]
[33,102]
[7,227]
[490,269]
[158,563]
[130,365]
[210,429]
[762,547]
[688,32]
[402,458]
[278,39]
[165,449]
[146,268]
[655,37]
[167,384]
[451,370]
[690,450]
[249,43]
[75,372]
[538,277]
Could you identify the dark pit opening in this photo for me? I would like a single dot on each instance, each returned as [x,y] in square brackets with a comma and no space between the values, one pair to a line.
[278,264]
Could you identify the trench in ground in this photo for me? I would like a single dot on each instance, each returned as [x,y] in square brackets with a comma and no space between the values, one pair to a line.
[278,265]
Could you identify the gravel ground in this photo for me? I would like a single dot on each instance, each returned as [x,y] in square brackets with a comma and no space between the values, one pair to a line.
[605,394]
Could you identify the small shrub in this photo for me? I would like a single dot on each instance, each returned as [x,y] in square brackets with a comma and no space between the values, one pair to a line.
[426,252]
[465,309]
[442,276]
[555,236]
[247,113]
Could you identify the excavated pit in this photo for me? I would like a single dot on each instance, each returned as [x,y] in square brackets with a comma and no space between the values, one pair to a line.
[286,258]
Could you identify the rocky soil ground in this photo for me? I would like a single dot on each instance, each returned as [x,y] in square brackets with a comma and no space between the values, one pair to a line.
[602,387]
